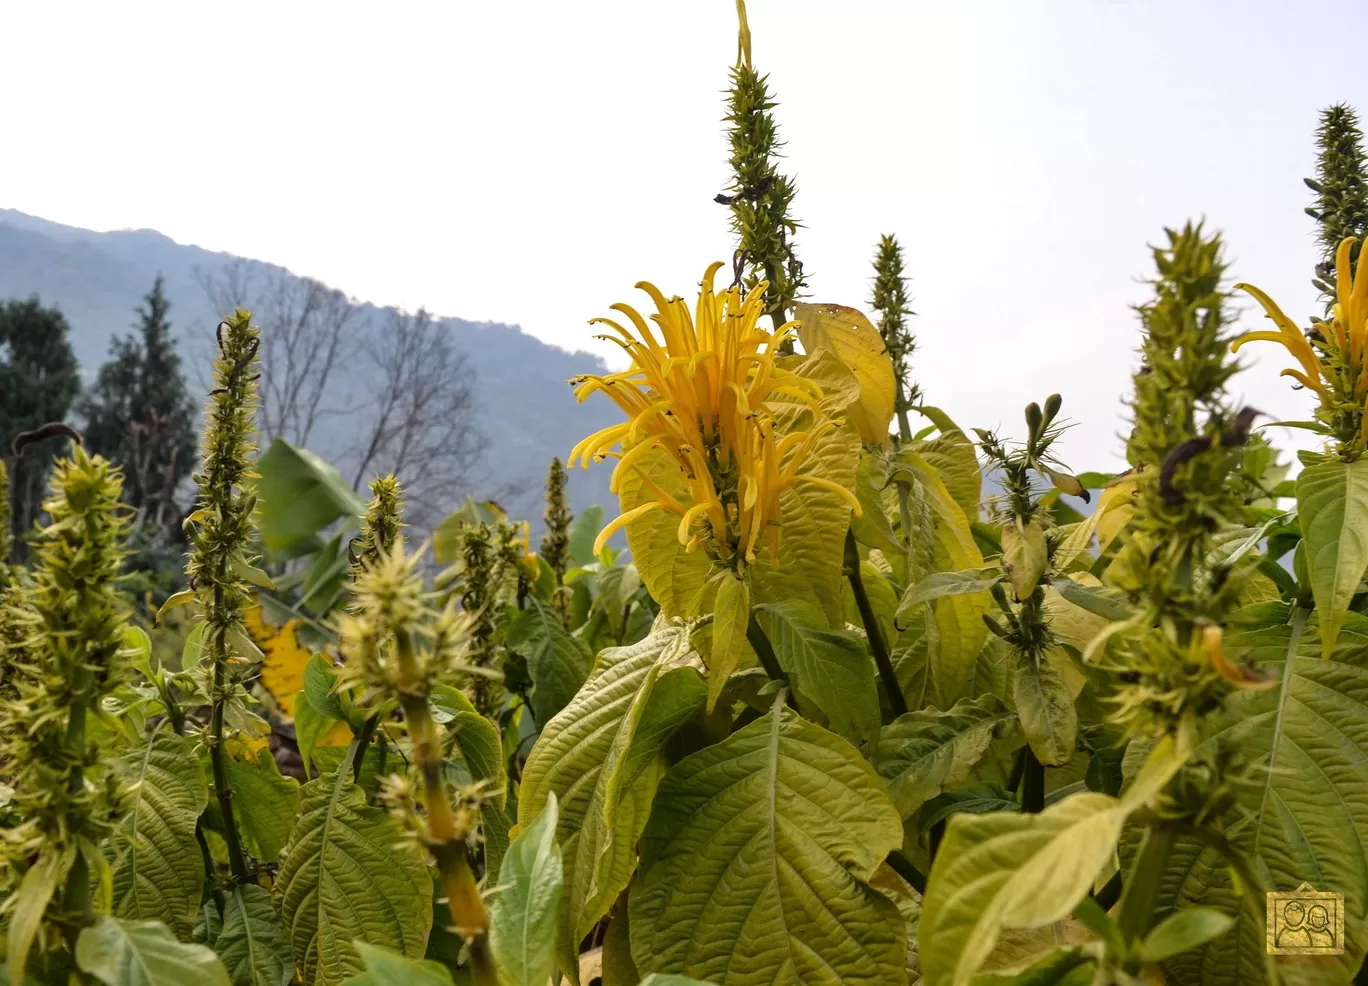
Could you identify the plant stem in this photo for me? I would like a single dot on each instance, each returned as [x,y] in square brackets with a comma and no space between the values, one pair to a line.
[362,741]
[76,898]
[1142,883]
[905,868]
[755,635]
[237,861]
[1032,784]
[896,699]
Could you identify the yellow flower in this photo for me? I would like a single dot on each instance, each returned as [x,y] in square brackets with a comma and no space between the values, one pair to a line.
[706,392]
[1339,373]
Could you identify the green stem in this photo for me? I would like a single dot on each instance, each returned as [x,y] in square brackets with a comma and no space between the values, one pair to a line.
[361,741]
[1142,883]
[237,860]
[896,700]
[1032,784]
[906,869]
[77,897]
[755,635]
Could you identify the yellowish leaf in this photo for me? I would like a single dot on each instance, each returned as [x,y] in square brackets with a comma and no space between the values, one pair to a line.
[731,614]
[854,340]
[1024,555]
[282,672]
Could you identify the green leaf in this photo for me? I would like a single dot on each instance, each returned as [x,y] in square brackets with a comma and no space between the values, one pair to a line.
[939,584]
[1107,603]
[320,677]
[30,904]
[1024,555]
[1332,508]
[1046,709]
[656,979]
[583,531]
[1015,870]
[263,802]
[311,726]
[447,535]
[854,340]
[1303,815]
[253,945]
[1185,930]
[955,458]
[344,878]
[731,614]
[525,914]
[557,660]
[673,576]
[477,738]
[387,968]
[830,668]
[923,753]
[602,758]
[159,873]
[299,495]
[978,799]
[756,860]
[144,953]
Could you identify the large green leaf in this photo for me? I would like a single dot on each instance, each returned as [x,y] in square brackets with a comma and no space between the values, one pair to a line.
[852,338]
[387,968]
[159,873]
[731,615]
[1046,708]
[300,494]
[1305,817]
[939,584]
[673,576]
[447,536]
[583,531]
[1013,870]
[263,802]
[253,945]
[477,739]
[525,915]
[953,455]
[344,877]
[924,753]
[144,953]
[756,860]
[1332,508]
[557,660]
[30,904]
[603,758]
[830,668]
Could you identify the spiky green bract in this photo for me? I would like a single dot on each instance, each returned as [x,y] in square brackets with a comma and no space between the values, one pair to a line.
[380,529]
[483,582]
[68,795]
[555,543]
[221,544]
[6,537]
[1185,445]
[1341,187]
[759,196]
[891,301]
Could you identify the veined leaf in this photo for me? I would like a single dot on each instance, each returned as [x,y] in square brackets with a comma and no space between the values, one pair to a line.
[282,671]
[603,758]
[159,872]
[939,584]
[557,660]
[923,753]
[314,729]
[525,915]
[343,878]
[144,953]
[1014,870]
[33,896]
[1045,706]
[1183,931]
[446,536]
[852,339]
[300,494]
[264,803]
[252,945]
[1332,509]
[477,738]
[954,458]
[831,668]
[731,614]
[1304,818]
[387,968]
[673,576]
[756,862]
[1024,555]
[1106,603]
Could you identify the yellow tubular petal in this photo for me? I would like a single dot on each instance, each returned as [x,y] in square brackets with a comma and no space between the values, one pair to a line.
[1291,336]
[1343,279]
[837,488]
[620,521]
[1260,336]
[687,522]
[1304,380]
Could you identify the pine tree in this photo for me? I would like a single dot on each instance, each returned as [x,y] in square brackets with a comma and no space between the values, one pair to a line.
[140,415]
[40,380]
[1341,187]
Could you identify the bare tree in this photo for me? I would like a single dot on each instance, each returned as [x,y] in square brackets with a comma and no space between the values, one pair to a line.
[420,422]
[309,331]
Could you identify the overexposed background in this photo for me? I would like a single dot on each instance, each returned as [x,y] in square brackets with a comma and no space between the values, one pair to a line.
[527,162]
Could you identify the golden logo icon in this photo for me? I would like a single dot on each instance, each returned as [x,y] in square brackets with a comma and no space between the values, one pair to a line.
[1305,921]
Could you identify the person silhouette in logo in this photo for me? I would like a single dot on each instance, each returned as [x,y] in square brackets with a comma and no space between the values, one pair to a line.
[1294,933]
[1318,927]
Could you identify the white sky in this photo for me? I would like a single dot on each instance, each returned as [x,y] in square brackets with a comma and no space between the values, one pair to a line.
[527,162]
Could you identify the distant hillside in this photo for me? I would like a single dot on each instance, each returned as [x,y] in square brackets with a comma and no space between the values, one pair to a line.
[525,407]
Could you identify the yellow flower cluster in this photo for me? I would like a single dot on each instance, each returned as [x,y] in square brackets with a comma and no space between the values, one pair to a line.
[706,393]
[1340,379]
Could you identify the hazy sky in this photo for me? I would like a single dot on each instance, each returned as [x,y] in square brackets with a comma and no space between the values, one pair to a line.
[527,162]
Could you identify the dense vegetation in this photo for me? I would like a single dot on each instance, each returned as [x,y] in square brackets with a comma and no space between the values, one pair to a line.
[834,716]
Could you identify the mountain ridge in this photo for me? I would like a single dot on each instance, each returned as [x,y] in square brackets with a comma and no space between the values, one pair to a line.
[524,406]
